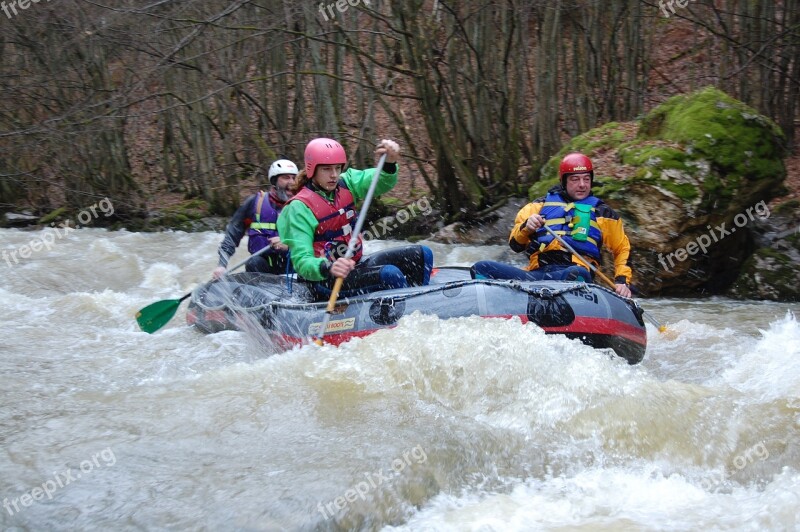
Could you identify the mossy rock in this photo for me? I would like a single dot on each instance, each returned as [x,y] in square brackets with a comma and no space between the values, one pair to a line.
[540,188]
[710,124]
[696,161]
[788,207]
[180,215]
[770,274]
[723,148]
[606,137]
[53,216]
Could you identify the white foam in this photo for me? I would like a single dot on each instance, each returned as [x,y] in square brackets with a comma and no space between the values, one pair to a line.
[615,499]
[770,369]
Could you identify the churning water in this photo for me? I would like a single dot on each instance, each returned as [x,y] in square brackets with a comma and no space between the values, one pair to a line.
[467,424]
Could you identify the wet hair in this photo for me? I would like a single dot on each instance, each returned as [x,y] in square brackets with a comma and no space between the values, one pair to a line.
[300,181]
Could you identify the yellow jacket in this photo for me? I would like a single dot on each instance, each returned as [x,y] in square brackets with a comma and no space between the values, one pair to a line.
[614,238]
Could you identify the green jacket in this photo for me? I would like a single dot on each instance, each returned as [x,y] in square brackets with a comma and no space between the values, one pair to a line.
[297,224]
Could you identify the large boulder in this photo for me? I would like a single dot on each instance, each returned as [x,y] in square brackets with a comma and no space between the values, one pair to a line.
[688,181]
[773,270]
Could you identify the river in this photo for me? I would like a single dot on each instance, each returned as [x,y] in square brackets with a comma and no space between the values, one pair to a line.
[466,424]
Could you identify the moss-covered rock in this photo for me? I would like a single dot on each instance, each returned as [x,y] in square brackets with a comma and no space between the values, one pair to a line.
[181,215]
[53,216]
[692,164]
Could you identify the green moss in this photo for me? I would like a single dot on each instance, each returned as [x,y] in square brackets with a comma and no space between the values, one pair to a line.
[194,204]
[685,191]
[788,207]
[654,156]
[714,126]
[53,216]
[604,137]
[540,188]
[192,209]
[775,255]
[776,281]
[388,201]
[608,187]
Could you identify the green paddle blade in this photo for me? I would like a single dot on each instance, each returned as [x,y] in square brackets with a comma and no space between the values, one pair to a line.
[152,317]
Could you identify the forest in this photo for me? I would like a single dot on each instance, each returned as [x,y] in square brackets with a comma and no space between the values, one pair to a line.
[146,102]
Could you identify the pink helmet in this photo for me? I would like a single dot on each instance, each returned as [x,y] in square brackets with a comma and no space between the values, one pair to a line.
[323,151]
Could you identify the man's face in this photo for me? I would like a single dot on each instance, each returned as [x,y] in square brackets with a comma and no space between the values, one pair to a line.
[579,185]
[284,181]
[327,175]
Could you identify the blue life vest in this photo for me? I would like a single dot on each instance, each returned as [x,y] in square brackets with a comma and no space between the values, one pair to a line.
[264,225]
[560,216]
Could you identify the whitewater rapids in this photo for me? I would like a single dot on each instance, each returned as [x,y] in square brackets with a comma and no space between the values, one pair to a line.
[468,424]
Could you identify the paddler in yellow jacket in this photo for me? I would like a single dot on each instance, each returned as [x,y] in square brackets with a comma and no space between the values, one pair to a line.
[584,221]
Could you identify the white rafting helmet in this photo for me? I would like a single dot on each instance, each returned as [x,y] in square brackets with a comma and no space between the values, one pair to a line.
[280,167]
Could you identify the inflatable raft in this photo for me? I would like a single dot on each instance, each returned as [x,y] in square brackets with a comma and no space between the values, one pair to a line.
[591,313]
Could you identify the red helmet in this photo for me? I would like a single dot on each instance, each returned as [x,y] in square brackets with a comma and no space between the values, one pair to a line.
[575,163]
[323,151]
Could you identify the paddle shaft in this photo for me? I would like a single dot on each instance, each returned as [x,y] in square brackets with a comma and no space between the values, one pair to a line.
[154,316]
[351,246]
[236,266]
[592,267]
[239,265]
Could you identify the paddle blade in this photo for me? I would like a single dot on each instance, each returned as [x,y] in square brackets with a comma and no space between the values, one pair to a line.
[152,317]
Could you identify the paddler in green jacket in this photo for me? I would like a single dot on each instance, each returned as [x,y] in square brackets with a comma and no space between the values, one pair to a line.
[318,222]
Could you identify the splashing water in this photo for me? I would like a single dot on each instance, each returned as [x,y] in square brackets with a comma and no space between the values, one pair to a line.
[466,424]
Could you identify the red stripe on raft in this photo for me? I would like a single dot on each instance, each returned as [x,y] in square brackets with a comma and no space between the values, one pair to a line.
[589,325]
[218,316]
[581,325]
[333,338]
[610,327]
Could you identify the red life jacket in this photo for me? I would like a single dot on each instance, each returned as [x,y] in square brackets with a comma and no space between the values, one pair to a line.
[336,221]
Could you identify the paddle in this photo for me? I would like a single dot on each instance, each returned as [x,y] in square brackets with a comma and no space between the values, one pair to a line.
[154,316]
[337,286]
[651,319]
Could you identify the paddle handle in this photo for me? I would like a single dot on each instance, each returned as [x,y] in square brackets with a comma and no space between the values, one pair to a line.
[337,287]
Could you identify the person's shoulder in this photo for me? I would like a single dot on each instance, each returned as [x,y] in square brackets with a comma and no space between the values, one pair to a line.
[604,210]
[295,201]
[351,172]
[252,198]
[553,191]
